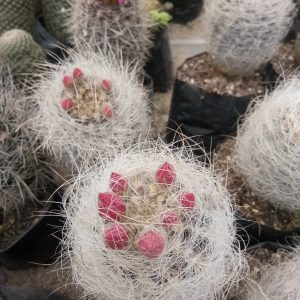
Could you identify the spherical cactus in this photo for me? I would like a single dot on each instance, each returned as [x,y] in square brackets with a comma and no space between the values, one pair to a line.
[279,282]
[56,15]
[88,106]
[20,54]
[18,163]
[121,26]
[151,225]
[16,14]
[243,35]
[268,146]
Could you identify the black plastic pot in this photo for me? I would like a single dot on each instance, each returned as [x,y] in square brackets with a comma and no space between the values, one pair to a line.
[184,11]
[252,233]
[206,118]
[159,66]
[40,243]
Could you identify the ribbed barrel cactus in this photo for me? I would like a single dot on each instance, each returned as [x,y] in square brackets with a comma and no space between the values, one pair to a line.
[20,54]
[16,14]
[151,225]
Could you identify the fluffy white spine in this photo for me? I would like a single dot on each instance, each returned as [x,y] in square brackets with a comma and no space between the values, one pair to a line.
[70,142]
[102,272]
[243,35]
[268,146]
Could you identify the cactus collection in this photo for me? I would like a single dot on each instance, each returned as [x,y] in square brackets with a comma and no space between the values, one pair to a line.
[143,219]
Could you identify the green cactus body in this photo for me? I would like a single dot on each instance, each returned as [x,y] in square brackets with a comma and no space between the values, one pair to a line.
[19,53]
[16,14]
[55,13]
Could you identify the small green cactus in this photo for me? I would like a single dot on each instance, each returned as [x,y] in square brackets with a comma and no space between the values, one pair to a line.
[55,13]
[16,14]
[19,54]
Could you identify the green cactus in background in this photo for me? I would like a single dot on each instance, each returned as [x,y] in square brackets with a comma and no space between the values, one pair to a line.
[56,13]
[19,54]
[16,14]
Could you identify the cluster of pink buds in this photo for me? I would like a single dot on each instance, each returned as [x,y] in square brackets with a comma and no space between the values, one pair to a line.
[68,81]
[112,208]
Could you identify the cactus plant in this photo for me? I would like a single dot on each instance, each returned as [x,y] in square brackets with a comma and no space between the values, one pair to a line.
[20,54]
[56,13]
[122,26]
[243,35]
[16,14]
[18,164]
[268,146]
[152,224]
[89,104]
[280,282]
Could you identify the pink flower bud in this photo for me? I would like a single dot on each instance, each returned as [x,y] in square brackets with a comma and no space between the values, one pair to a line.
[151,244]
[187,200]
[169,219]
[111,206]
[116,237]
[107,110]
[77,73]
[120,2]
[66,103]
[118,183]
[165,174]
[68,81]
[106,85]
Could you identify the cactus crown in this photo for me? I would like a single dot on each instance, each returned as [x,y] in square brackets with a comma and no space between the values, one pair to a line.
[243,35]
[150,225]
[90,104]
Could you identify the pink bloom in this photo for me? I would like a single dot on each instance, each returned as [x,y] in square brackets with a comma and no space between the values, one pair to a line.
[118,183]
[151,244]
[165,174]
[187,200]
[66,103]
[116,237]
[111,206]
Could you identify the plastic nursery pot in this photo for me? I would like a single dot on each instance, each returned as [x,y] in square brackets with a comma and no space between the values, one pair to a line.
[206,118]
[38,244]
[54,48]
[251,233]
[184,11]
[159,66]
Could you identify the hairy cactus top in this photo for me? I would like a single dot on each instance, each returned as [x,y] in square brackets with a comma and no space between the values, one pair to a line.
[268,146]
[243,35]
[18,164]
[121,26]
[88,106]
[151,225]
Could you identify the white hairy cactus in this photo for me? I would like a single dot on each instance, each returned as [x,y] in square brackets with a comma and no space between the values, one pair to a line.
[268,146]
[280,282]
[89,105]
[243,35]
[118,25]
[152,224]
[18,164]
